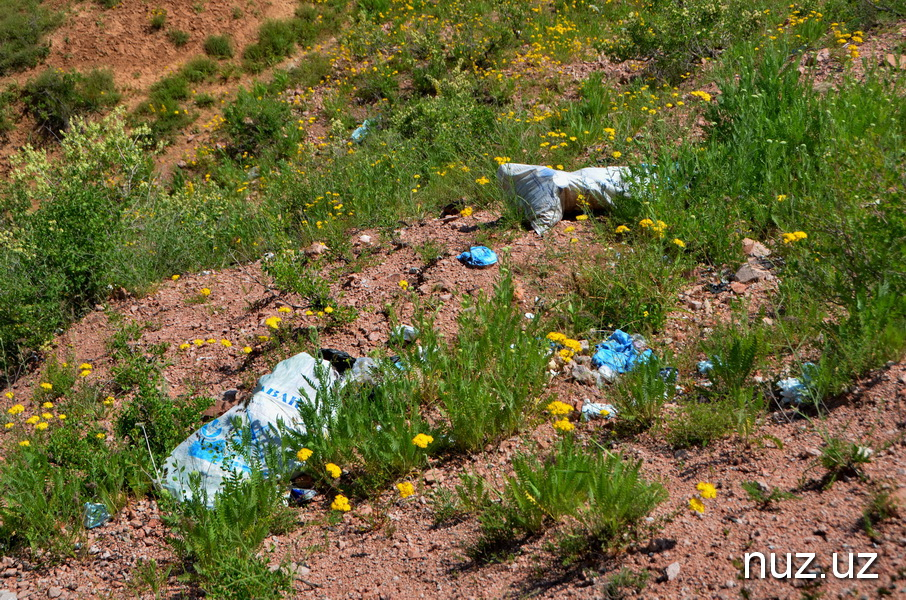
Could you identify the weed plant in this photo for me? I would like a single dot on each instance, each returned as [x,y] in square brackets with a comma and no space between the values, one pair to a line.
[219,46]
[23,25]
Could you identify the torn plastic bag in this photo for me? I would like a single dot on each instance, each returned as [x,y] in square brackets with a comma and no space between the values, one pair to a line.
[619,353]
[546,194]
[215,452]
[478,257]
[594,410]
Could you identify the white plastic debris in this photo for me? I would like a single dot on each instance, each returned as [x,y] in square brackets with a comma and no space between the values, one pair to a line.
[214,451]
[547,194]
[594,410]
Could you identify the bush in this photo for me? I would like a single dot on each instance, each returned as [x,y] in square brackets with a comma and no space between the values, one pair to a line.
[642,393]
[55,97]
[257,123]
[23,24]
[178,37]
[219,46]
[276,40]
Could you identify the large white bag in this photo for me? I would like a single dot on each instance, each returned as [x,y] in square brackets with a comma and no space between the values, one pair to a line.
[547,193]
[212,451]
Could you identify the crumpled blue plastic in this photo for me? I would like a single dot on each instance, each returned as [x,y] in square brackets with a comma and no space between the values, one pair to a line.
[798,389]
[478,256]
[618,353]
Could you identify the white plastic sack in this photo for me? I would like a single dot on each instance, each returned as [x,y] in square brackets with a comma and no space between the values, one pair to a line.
[273,402]
[547,193]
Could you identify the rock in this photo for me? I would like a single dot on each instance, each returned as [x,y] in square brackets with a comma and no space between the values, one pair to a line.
[446,297]
[738,288]
[54,592]
[374,336]
[316,249]
[898,501]
[752,248]
[585,361]
[896,61]
[812,453]
[764,487]
[693,304]
[365,239]
[681,455]
[583,374]
[8,595]
[299,570]
[672,571]
[748,274]
[823,55]
[433,476]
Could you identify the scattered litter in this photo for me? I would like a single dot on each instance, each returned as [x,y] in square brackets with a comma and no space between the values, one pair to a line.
[339,360]
[619,354]
[668,374]
[593,410]
[362,131]
[95,515]
[705,366]
[546,194]
[215,452]
[478,256]
[529,316]
[406,333]
[796,389]
[299,496]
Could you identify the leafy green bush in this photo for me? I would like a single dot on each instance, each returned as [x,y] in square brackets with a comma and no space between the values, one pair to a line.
[219,46]
[602,494]
[276,40]
[23,24]
[178,37]
[55,97]
[256,123]
[642,393]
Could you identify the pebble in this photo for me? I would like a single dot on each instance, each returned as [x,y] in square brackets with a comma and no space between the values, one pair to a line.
[583,374]
[54,592]
[748,274]
[8,595]
[672,571]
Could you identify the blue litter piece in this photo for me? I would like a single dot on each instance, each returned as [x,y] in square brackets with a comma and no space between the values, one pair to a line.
[95,515]
[361,132]
[704,366]
[618,353]
[478,256]
[797,389]
[593,410]
[301,495]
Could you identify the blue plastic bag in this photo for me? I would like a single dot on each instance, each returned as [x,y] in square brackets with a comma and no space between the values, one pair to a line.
[478,256]
[618,353]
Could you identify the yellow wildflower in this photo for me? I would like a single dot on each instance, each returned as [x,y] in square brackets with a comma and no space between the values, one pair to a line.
[622,229]
[703,95]
[184,346]
[794,237]
[564,425]
[616,154]
[304,454]
[47,405]
[25,443]
[646,223]
[707,489]
[422,440]
[781,197]
[205,292]
[466,212]
[16,409]
[226,343]
[341,503]
[273,322]
[406,489]
[557,338]
[558,408]
[10,425]
[175,277]
[569,229]
[46,386]
[85,373]
[482,180]
[198,342]
[46,416]
[284,309]
[101,436]
[697,505]
[582,218]
[333,470]
[566,354]
[574,345]
[85,367]
[41,426]
[679,242]
[247,349]
[404,284]
[328,309]
[62,417]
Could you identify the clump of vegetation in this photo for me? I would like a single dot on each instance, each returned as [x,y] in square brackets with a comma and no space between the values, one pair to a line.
[764,496]
[54,97]
[178,37]
[23,25]
[219,46]
[841,458]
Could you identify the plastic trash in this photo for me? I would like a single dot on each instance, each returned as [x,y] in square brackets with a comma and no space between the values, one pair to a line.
[95,515]
[619,354]
[214,453]
[299,496]
[705,366]
[363,371]
[593,410]
[406,333]
[478,256]
[546,194]
[796,389]
[361,132]
[340,360]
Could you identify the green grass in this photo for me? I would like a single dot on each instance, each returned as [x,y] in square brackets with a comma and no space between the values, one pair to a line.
[54,97]
[23,25]
[219,46]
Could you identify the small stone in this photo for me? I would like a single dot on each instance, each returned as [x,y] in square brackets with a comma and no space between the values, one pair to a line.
[752,248]
[738,288]
[585,361]
[898,500]
[583,374]
[812,452]
[693,304]
[8,595]
[374,336]
[748,274]
[729,583]
[299,571]
[54,592]
[365,239]
[672,571]
[681,455]
[433,476]
[446,297]
[316,249]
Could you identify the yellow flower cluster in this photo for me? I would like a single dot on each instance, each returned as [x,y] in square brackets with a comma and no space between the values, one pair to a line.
[341,503]
[273,322]
[622,229]
[466,212]
[15,409]
[657,227]
[422,440]
[558,408]
[563,425]
[700,94]
[333,470]
[304,454]
[707,491]
[789,238]
[406,489]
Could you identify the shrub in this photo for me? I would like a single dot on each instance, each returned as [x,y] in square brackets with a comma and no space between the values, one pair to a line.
[55,97]
[178,37]
[642,393]
[23,24]
[276,40]
[257,123]
[219,46]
